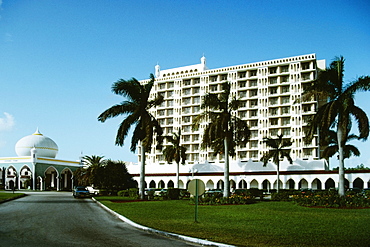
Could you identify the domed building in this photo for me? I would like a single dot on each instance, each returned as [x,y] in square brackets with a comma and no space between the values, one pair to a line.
[36,166]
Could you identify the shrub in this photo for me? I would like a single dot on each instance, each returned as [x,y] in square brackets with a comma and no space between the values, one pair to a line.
[282,195]
[173,193]
[133,192]
[218,199]
[331,199]
[123,193]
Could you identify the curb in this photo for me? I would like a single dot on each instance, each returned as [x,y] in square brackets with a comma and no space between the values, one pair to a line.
[166,234]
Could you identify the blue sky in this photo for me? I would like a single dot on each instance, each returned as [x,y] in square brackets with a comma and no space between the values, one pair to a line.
[58,59]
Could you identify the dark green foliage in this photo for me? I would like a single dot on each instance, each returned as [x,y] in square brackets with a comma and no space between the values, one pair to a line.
[280,196]
[331,199]
[173,193]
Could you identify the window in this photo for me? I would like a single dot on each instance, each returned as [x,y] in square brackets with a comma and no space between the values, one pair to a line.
[285,89]
[186,101]
[169,102]
[285,100]
[196,90]
[169,121]
[170,112]
[253,103]
[196,81]
[253,144]
[253,113]
[253,123]
[273,101]
[273,80]
[223,77]
[253,73]
[253,83]
[186,82]
[285,110]
[273,90]
[186,91]
[253,93]
[254,133]
[196,109]
[272,70]
[242,94]
[213,78]
[285,121]
[284,69]
[196,100]
[186,119]
[186,110]
[273,111]
[284,79]
[242,74]
[162,86]
[169,94]
[213,88]
[242,83]
[274,132]
[274,121]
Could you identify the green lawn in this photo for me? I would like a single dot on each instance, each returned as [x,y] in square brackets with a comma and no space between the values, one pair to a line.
[261,224]
[5,196]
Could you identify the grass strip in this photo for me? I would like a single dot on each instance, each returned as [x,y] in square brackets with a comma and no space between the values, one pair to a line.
[7,196]
[260,224]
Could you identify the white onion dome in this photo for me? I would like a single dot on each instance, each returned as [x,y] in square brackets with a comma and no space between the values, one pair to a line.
[44,146]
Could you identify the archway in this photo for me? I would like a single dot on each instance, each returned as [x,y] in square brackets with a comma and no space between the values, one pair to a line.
[181,184]
[358,183]
[66,180]
[161,184]
[25,178]
[275,184]
[232,185]
[220,184]
[329,184]
[242,184]
[254,184]
[316,184]
[170,184]
[210,185]
[266,185]
[152,184]
[290,184]
[303,184]
[51,182]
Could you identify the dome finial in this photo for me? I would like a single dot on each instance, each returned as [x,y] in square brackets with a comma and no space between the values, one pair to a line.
[37,132]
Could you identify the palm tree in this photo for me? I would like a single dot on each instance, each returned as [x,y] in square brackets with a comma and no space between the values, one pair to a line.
[278,151]
[93,163]
[224,131]
[339,109]
[175,152]
[136,108]
[331,143]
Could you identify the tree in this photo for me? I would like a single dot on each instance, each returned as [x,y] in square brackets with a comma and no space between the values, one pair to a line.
[93,163]
[136,108]
[224,131]
[175,152]
[114,176]
[331,143]
[339,110]
[279,150]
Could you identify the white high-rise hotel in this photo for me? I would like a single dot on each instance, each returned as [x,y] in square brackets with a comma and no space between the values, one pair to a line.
[267,89]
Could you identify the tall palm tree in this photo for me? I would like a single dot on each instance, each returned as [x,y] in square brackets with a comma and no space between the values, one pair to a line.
[224,131]
[136,107]
[339,109]
[331,143]
[279,150]
[175,152]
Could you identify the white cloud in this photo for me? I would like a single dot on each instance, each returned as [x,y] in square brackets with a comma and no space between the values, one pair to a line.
[7,122]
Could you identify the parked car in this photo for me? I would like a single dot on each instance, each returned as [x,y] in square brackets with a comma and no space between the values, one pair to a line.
[92,190]
[80,191]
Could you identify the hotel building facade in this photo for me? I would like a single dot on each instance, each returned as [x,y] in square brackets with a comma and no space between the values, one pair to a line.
[268,91]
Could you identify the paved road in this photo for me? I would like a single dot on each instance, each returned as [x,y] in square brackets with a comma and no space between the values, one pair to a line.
[57,219]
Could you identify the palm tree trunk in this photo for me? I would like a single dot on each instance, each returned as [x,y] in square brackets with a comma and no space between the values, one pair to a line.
[341,190]
[177,174]
[226,172]
[278,176]
[142,174]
